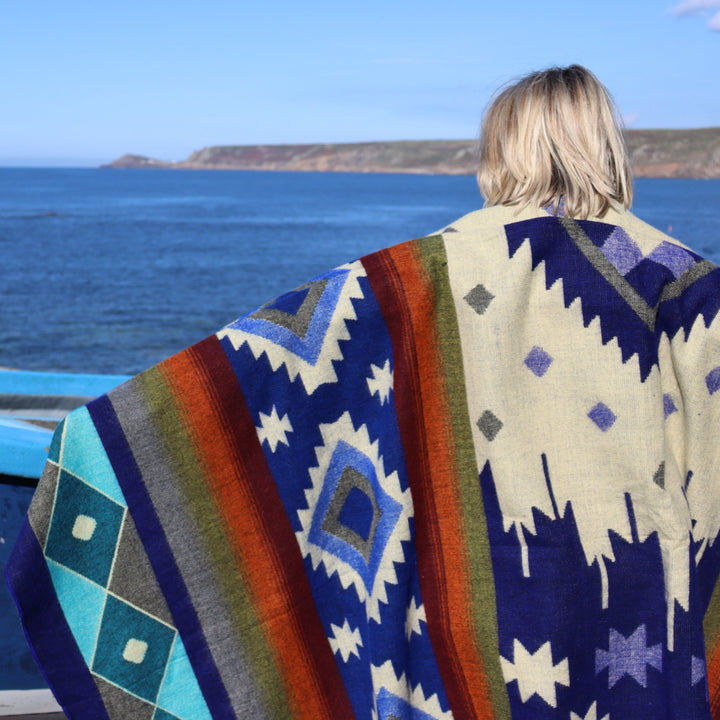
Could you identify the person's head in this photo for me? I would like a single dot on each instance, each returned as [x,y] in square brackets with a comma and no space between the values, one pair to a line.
[555,134]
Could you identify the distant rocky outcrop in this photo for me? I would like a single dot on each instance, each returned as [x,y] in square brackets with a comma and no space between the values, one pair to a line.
[675,153]
[138,161]
[693,153]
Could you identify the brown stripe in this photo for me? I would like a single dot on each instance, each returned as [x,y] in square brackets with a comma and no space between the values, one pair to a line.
[477,591]
[428,439]
[711,628]
[251,507]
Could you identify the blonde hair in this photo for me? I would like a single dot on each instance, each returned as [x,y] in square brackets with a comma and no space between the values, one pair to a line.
[554,136]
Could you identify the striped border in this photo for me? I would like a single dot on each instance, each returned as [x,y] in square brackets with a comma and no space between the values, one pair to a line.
[158,550]
[208,449]
[48,633]
[411,285]
[711,627]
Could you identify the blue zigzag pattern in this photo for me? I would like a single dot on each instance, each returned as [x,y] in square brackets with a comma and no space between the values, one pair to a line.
[644,277]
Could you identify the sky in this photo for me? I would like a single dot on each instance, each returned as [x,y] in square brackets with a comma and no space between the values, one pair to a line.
[82,82]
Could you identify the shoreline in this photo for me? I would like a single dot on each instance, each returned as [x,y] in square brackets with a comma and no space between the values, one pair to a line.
[691,153]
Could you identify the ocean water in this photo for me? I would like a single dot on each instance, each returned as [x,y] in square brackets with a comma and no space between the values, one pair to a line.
[110,271]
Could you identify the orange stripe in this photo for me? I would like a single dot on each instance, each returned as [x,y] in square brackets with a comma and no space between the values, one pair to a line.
[429,443]
[713,677]
[241,515]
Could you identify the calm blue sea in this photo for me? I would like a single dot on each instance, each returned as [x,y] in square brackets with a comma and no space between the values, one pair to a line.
[111,271]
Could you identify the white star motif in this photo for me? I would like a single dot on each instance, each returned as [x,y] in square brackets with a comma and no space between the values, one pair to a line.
[345,640]
[381,382]
[415,614]
[590,715]
[535,674]
[273,429]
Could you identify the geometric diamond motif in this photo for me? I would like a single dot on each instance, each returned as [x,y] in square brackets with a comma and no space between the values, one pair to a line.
[132,649]
[89,535]
[356,516]
[301,334]
[712,380]
[84,529]
[353,514]
[659,476]
[302,329]
[538,361]
[602,416]
[621,251]
[349,470]
[479,298]
[669,404]
[489,425]
[673,257]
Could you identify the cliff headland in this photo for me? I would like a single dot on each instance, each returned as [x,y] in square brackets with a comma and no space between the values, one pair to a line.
[691,153]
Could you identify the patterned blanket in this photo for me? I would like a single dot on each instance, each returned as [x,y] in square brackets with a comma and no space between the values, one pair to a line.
[473,476]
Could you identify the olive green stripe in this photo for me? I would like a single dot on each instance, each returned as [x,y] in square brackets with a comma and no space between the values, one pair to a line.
[224,605]
[134,410]
[477,543]
[237,597]
[711,622]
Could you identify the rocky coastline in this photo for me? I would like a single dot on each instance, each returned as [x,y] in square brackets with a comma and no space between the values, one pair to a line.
[687,153]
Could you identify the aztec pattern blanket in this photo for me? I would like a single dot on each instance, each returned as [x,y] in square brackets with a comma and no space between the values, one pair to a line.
[470,476]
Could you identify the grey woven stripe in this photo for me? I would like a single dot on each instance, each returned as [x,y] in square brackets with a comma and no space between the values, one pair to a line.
[691,275]
[595,257]
[190,556]
[14,401]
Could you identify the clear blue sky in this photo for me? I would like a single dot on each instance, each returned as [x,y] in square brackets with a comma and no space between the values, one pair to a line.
[84,82]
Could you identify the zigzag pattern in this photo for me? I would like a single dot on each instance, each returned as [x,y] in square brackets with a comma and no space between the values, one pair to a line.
[600,265]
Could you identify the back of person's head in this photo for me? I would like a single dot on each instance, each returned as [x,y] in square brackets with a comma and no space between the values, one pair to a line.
[555,136]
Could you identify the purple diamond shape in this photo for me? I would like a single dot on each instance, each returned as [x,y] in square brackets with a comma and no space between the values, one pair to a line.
[674,258]
[602,416]
[712,380]
[669,404]
[621,251]
[538,361]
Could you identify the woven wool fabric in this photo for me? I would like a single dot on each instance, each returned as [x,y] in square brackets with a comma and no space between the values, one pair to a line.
[473,476]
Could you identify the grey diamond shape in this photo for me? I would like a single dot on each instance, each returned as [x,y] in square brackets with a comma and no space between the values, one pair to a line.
[659,476]
[489,425]
[352,478]
[479,298]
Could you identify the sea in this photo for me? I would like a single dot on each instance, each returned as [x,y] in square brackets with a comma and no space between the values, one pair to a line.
[111,271]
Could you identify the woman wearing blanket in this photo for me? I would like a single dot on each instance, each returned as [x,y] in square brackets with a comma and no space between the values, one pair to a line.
[473,475]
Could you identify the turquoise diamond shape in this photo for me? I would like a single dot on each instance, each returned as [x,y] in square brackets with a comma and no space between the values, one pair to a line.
[84,529]
[132,649]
